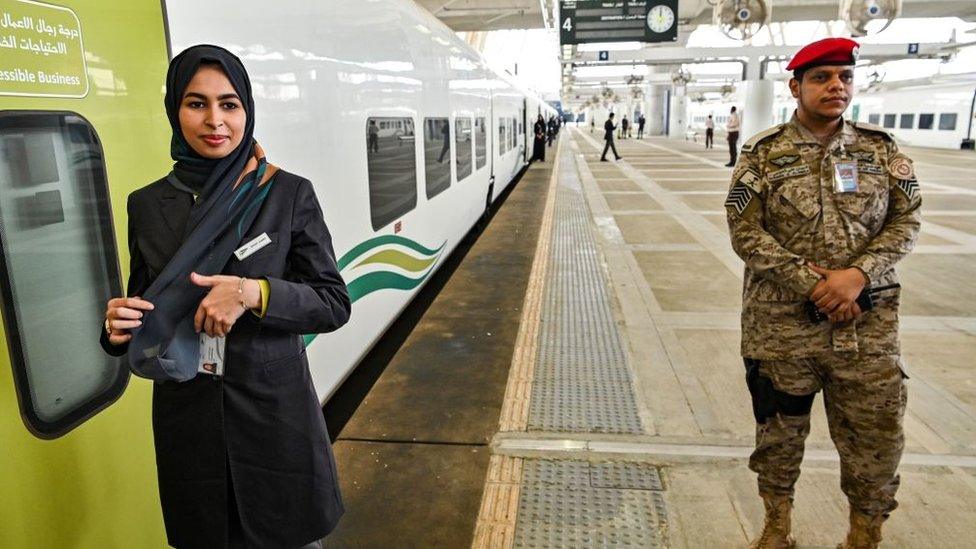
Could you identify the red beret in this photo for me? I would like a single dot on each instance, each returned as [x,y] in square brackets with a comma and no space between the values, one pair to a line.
[829,51]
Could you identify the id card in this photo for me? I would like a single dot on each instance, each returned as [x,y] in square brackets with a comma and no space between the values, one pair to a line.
[211,355]
[845,177]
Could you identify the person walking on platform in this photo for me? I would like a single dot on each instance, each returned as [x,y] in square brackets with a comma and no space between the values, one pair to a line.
[551,130]
[624,126]
[231,263]
[373,137]
[608,128]
[820,209]
[539,144]
[592,124]
[709,132]
[640,126]
[732,127]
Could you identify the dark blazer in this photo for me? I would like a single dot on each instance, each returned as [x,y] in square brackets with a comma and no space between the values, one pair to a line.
[257,435]
[608,128]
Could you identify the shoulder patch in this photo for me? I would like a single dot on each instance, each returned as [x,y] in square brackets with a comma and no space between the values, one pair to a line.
[874,129]
[745,187]
[761,136]
[900,167]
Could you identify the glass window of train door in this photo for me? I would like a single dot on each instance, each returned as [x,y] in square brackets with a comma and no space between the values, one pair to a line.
[58,268]
[462,147]
[391,168]
[437,155]
[480,143]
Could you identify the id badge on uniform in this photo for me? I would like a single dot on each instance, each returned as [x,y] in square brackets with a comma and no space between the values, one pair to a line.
[211,355]
[845,177]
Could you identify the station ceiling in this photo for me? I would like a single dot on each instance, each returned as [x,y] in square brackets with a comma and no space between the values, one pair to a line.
[485,15]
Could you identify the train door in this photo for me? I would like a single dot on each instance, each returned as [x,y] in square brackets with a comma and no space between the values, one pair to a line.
[525,132]
[81,127]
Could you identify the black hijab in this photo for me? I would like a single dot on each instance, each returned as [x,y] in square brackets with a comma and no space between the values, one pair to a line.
[166,346]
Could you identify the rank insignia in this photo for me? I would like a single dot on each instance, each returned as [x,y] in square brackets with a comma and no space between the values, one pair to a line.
[907,186]
[784,160]
[739,198]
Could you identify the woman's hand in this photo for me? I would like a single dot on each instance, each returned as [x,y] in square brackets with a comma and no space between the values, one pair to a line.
[222,307]
[123,314]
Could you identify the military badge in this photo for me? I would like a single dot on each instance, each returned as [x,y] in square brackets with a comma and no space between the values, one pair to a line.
[863,156]
[784,160]
[900,167]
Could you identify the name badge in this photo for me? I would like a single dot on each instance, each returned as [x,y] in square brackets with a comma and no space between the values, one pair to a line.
[252,246]
[845,177]
[211,355]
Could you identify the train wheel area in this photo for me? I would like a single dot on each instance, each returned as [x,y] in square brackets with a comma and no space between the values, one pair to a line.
[577,381]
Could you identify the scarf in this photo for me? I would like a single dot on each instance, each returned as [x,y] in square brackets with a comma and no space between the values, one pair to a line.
[231,190]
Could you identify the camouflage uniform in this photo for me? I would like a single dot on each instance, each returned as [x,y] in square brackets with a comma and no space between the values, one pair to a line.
[782,212]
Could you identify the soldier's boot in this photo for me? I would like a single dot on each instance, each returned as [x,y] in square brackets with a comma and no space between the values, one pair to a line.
[776,530]
[864,533]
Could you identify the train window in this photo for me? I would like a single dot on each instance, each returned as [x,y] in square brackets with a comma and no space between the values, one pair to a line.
[480,143]
[392,168]
[947,121]
[437,160]
[462,147]
[907,121]
[874,119]
[58,268]
[501,137]
[925,121]
[889,120]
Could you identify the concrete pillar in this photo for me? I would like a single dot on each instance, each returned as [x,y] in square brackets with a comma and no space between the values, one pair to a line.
[678,120]
[757,108]
[655,109]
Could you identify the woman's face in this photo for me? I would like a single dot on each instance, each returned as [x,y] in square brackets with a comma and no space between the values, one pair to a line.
[212,116]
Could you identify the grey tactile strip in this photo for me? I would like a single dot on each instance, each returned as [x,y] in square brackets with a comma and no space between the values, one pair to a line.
[563,504]
[581,381]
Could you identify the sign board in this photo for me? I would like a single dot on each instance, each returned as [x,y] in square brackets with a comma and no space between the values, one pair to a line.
[585,21]
[913,49]
[604,55]
[41,53]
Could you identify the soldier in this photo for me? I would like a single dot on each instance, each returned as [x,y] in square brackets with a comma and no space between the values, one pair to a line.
[820,209]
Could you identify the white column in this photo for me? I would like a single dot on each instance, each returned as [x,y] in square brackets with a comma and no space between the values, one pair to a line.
[757,110]
[678,123]
[654,99]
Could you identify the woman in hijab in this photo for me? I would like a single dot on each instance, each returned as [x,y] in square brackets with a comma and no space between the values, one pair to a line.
[231,263]
[539,144]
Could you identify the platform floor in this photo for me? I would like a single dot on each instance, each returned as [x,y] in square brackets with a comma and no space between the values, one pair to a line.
[625,419]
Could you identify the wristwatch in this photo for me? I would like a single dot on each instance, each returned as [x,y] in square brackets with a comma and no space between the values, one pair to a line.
[108,327]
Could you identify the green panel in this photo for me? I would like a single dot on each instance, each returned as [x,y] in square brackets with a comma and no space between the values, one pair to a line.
[96,486]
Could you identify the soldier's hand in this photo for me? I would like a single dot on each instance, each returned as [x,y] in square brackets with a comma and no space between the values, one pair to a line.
[839,287]
[845,313]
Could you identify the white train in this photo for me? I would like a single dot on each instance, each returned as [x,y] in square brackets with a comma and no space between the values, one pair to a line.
[405,132]
[938,115]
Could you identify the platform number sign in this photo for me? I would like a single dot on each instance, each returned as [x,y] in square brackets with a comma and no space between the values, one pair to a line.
[604,55]
[913,49]
[583,21]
